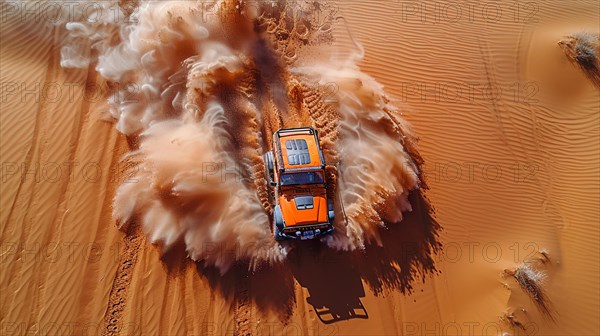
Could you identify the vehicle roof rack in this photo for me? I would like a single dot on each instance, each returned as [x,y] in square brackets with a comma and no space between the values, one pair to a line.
[309,130]
[299,130]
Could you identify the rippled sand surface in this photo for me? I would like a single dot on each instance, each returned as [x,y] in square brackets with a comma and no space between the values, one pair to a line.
[133,195]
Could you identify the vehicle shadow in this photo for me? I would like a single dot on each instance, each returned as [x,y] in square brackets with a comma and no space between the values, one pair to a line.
[407,250]
[333,283]
[333,279]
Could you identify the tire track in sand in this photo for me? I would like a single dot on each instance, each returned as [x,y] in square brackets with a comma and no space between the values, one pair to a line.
[242,315]
[118,293]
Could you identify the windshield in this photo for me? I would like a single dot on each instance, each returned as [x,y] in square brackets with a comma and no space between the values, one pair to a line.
[302,178]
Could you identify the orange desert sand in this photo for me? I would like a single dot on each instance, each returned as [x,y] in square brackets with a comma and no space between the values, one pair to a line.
[502,236]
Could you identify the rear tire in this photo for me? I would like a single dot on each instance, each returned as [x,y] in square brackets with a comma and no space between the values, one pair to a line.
[269,166]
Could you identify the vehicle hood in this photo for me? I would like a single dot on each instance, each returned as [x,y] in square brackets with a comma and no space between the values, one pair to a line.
[303,209]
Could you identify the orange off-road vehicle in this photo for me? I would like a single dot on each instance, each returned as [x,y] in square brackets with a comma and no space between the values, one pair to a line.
[296,171]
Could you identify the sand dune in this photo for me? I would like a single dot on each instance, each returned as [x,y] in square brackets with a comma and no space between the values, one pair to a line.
[508,131]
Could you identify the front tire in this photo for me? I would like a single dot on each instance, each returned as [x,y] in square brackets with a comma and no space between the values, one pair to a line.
[330,211]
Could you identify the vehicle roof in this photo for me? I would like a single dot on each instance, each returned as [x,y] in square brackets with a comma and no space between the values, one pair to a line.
[299,148]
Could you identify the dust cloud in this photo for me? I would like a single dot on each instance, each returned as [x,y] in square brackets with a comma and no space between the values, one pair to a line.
[199,88]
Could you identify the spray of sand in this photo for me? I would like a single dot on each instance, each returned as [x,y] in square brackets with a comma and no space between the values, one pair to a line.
[583,49]
[201,87]
[375,172]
